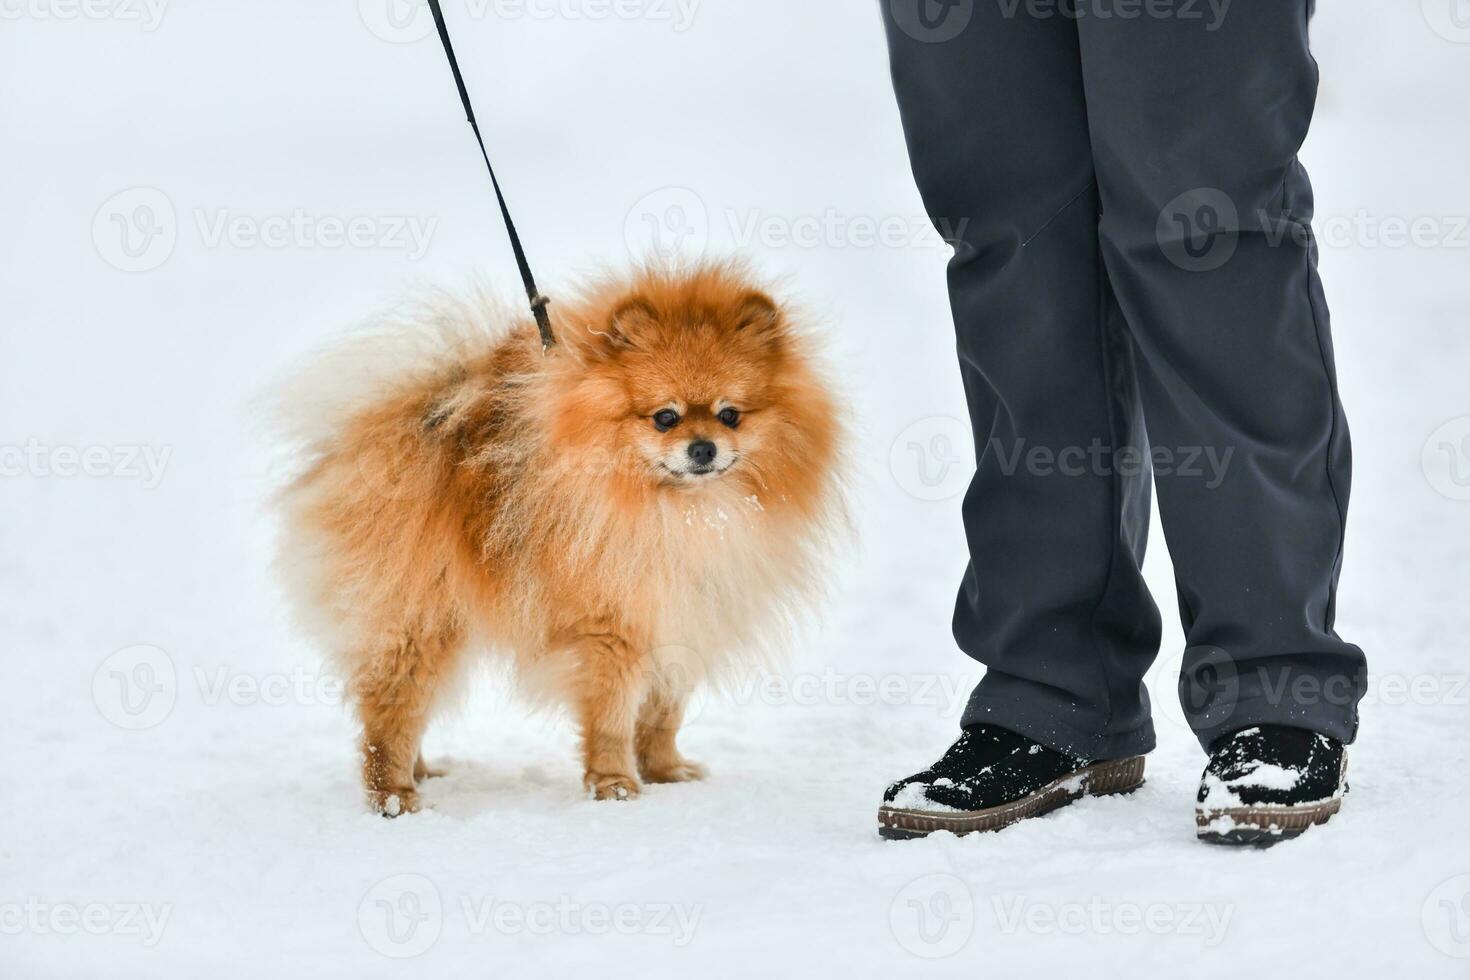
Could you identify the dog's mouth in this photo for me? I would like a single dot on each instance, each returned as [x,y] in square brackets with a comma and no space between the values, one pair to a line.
[695,474]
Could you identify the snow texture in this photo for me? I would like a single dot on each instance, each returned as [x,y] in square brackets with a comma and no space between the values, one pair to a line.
[183,797]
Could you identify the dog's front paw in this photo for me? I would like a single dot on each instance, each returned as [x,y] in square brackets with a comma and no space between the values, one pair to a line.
[394,802]
[612,786]
[683,771]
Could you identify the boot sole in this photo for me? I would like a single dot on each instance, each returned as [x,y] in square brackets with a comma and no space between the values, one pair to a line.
[1249,826]
[1103,779]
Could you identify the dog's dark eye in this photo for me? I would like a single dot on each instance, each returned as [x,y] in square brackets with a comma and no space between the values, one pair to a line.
[665,420]
[729,417]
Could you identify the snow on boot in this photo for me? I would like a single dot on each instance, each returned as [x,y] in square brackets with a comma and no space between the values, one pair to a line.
[990,779]
[1270,783]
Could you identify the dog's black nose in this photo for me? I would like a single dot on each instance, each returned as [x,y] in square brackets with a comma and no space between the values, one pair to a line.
[703,452]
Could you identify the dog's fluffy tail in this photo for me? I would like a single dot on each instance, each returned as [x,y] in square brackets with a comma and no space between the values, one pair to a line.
[367,537]
[416,345]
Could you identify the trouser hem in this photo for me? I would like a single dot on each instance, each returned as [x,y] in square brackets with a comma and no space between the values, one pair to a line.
[1035,722]
[1335,721]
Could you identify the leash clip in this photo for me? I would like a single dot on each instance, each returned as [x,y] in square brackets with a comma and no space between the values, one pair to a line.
[539,302]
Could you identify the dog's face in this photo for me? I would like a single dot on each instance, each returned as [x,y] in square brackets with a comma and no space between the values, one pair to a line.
[702,384]
[698,383]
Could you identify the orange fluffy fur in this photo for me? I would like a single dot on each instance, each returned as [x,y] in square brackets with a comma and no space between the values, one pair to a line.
[463,489]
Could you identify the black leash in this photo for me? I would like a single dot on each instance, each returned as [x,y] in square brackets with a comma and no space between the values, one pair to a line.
[538,301]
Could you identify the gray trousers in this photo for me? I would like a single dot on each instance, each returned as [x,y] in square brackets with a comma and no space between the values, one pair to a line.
[1136,300]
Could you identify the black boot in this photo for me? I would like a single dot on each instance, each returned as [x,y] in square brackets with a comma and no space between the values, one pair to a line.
[1268,784]
[992,778]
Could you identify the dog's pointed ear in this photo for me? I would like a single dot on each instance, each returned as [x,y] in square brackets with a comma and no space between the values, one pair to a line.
[628,321]
[759,316]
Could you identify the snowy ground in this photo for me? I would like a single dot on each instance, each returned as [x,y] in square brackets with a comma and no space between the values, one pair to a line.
[205,816]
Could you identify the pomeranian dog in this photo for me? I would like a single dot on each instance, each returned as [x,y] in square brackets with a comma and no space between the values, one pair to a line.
[621,518]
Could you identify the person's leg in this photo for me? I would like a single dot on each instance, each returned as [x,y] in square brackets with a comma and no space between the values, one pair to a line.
[1053,603]
[1195,126]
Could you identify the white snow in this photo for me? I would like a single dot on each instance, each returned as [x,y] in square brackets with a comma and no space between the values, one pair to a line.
[1073,784]
[913,797]
[183,797]
[1221,794]
[1266,776]
[1225,793]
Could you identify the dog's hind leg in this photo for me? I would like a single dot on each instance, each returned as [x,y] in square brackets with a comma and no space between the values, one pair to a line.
[659,719]
[422,770]
[394,690]
[613,678]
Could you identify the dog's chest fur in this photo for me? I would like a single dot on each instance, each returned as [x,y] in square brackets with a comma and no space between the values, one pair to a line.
[719,576]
